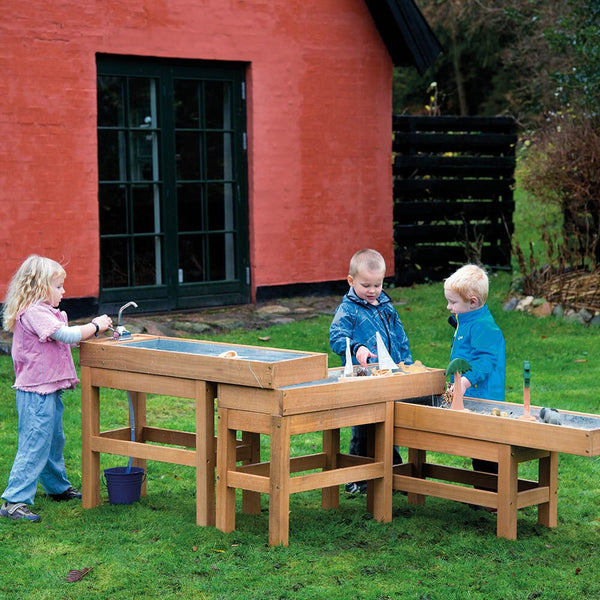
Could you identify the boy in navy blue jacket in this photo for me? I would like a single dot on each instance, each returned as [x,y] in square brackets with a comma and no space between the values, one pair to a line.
[365,310]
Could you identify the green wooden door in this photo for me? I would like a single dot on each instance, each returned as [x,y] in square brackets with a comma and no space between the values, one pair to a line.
[172,183]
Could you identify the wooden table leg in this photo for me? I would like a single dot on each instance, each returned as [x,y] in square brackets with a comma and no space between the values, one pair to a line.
[383,452]
[90,425]
[206,393]
[251,500]
[548,476]
[279,495]
[417,458]
[226,455]
[508,471]
[330,496]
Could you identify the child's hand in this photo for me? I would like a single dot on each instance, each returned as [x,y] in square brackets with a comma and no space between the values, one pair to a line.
[103,322]
[363,354]
[465,383]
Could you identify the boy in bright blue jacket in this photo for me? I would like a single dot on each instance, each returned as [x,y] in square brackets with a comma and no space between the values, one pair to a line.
[477,339]
[365,310]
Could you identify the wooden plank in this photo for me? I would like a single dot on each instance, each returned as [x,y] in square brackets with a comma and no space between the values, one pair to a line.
[248,481]
[482,143]
[516,432]
[226,454]
[140,382]
[415,234]
[294,366]
[168,436]
[453,123]
[407,211]
[418,166]
[205,452]
[448,444]
[279,482]
[325,479]
[249,399]
[335,419]
[452,188]
[90,427]
[359,391]
[146,451]
[240,420]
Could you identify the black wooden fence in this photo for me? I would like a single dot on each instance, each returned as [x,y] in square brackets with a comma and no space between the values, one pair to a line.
[453,194]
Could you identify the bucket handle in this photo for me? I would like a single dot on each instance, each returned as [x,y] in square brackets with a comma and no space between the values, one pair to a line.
[106,485]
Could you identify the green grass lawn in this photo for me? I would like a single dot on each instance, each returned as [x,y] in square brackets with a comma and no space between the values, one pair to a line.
[442,550]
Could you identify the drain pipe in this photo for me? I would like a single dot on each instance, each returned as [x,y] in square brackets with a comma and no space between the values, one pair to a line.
[132,425]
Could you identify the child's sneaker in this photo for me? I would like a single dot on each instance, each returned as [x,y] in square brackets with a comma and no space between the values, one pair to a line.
[356,488]
[18,510]
[70,493]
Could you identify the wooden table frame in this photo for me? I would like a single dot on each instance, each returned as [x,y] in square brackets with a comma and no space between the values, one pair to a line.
[274,477]
[475,433]
[201,445]
[504,491]
[148,364]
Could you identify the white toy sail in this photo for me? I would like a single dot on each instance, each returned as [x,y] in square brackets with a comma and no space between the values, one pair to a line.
[348,369]
[383,356]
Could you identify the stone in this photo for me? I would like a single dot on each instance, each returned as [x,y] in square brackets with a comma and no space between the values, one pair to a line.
[558,311]
[595,321]
[192,326]
[543,310]
[272,309]
[573,317]
[524,303]
[510,304]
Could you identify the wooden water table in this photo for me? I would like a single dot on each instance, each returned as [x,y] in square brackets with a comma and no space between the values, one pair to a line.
[325,406]
[506,440]
[146,364]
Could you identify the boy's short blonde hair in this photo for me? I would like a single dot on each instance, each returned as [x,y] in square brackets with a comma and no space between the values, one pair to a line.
[30,284]
[368,259]
[469,281]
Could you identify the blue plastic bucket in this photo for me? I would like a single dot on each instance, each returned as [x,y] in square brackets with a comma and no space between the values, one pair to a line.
[124,484]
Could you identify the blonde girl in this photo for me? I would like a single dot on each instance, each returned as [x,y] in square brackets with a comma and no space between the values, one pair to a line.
[41,353]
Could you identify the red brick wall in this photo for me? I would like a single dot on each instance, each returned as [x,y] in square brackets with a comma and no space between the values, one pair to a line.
[319,126]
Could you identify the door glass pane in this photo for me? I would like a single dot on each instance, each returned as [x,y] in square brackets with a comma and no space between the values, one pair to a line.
[113,209]
[142,102]
[188,146]
[146,260]
[144,219]
[217,104]
[189,207]
[129,155]
[144,156]
[218,252]
[191,258]
[216,204]
[115,262]
[186,104]
[111,161]
[110,101]
[218,161]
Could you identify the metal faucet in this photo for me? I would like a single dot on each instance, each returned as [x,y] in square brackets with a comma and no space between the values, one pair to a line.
[120,331]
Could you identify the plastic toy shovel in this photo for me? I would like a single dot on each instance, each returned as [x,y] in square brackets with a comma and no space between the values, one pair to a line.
[526,416]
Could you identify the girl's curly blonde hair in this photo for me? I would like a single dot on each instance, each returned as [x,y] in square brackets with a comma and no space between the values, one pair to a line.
[30,284]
